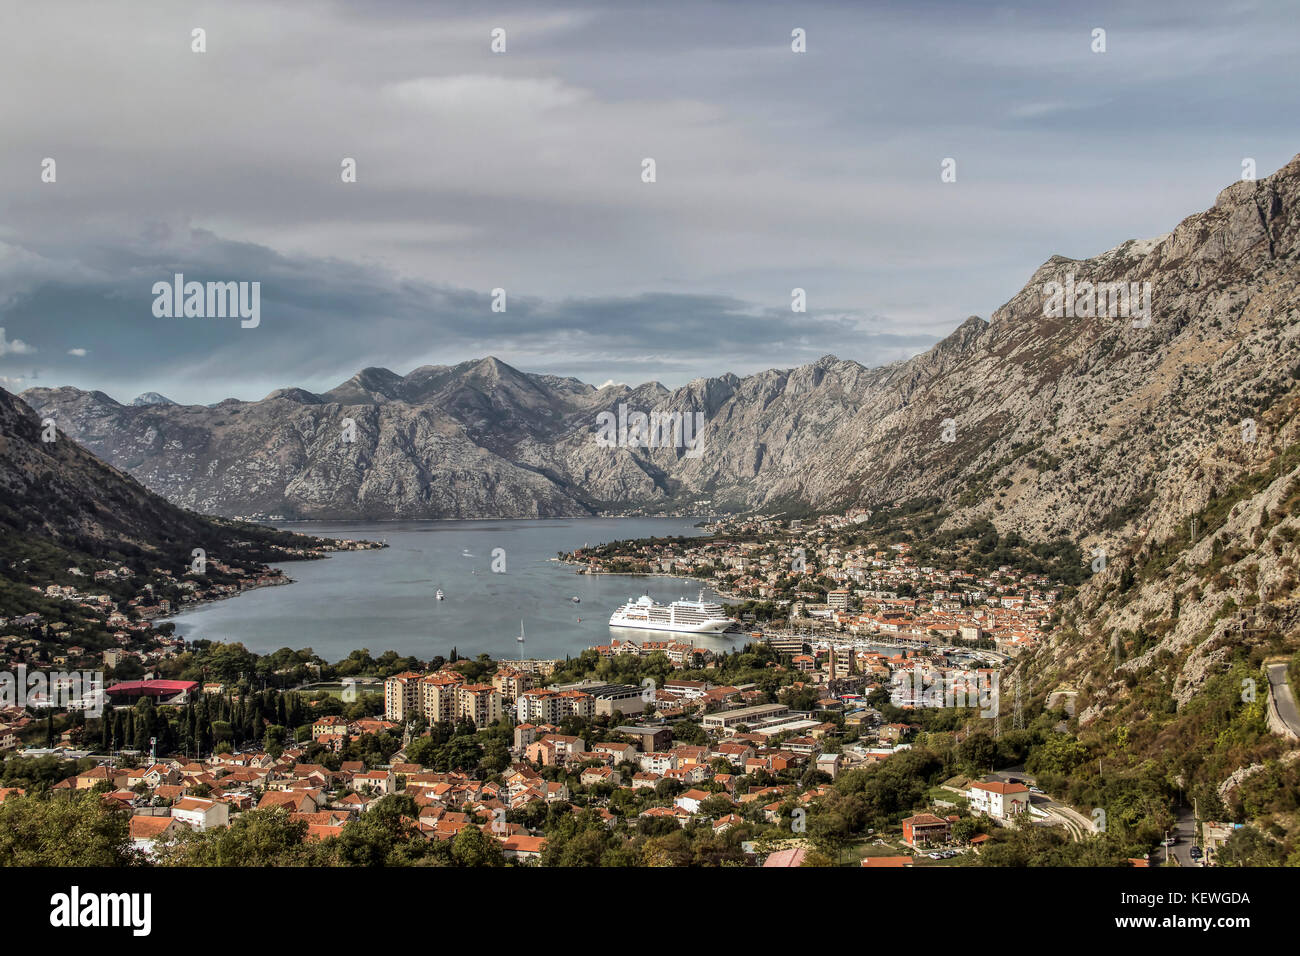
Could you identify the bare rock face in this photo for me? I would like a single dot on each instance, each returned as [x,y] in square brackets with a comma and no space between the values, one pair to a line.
[1081,425]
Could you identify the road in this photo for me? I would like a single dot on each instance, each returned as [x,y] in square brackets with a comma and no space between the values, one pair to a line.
[1283,697]
[1181,852]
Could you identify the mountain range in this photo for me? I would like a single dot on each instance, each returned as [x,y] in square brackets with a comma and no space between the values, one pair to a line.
[1058,425]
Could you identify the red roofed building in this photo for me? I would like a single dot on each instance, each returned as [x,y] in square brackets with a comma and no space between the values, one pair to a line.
[170,691]
[998,800]
[792,857]
[925,828]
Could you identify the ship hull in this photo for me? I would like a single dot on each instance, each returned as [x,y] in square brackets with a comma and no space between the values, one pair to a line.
[708,627]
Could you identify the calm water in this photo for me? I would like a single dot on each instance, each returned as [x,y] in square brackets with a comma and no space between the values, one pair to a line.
[384,599]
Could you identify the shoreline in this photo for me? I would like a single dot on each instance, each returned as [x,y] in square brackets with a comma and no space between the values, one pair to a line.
[286,521]
[658,574]
[284,581]
[189,605]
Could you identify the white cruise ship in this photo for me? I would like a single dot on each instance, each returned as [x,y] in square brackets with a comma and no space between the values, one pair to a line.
[686,617]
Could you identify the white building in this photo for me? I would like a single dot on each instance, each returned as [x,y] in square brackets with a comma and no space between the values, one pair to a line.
[1001,801]
[201,814]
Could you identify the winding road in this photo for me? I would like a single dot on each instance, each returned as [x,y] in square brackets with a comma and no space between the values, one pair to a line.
[1283,698]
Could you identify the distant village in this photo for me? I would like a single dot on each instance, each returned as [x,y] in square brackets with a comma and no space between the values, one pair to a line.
[821,587]
[37,642]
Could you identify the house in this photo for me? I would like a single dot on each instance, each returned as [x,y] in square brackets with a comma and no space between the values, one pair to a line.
[594,775]
[829,764]
[201,814]
[622,753]
[152,777]
[999,800]
[892,733]
[691,799]
[379,781]
[792,857]
[329,727]
[521,847]
[553,749]
[147,829]
[298,801]
[98,775]
[926,828]
[677,814]
[723,824]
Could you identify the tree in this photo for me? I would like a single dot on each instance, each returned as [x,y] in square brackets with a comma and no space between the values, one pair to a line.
[471,848]
[965,829]
[1250,847]
[1058,754]
[977,753]
[76,830]
[254,838]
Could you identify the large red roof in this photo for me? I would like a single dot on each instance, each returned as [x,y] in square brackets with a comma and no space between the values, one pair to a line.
[152,687]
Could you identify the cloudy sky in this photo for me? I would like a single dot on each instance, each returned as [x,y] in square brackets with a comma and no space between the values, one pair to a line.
[523,170]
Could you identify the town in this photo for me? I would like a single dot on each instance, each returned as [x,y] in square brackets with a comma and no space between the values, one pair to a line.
[853,662]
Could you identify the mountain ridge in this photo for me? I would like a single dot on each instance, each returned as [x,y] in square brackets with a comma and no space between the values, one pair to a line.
[1034,401]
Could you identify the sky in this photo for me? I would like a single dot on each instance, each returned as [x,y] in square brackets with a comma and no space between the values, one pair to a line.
[522,170]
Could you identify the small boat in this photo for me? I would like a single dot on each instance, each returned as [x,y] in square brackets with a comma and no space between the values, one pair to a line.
[439,595]
[579,620]
[465,554]
[576,599]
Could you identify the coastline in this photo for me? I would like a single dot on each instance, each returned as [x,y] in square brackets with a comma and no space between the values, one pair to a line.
[323,555]
[659,574]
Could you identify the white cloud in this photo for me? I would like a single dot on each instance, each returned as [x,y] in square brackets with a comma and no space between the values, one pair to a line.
[80,353]
[484,95]
[16,347]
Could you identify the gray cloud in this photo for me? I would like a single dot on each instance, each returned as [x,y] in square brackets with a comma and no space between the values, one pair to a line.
[521,171]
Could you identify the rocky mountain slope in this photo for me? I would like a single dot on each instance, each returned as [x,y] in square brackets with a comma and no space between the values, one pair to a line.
[60,505]
[1069,425]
